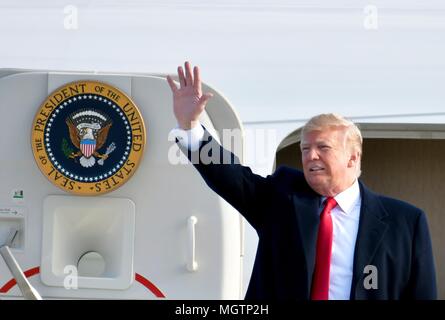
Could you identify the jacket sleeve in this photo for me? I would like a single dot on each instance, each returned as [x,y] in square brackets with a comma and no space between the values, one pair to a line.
[422,283]
[237,184]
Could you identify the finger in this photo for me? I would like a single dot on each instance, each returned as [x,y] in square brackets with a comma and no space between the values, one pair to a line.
[197,77]
[181,77]
[188,73]
[205,98]
[172,84]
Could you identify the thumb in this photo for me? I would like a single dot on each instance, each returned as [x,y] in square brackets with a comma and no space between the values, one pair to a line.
[205,98]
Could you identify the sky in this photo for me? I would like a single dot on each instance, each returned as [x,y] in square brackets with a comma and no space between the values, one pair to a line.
[273,60]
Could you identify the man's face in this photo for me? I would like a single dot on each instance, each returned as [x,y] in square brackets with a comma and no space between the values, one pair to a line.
[328,163]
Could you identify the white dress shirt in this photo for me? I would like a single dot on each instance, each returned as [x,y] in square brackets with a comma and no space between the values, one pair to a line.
[345,220]
[190,139]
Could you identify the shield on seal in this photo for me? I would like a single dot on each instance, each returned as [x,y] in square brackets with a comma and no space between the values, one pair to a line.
[87,146]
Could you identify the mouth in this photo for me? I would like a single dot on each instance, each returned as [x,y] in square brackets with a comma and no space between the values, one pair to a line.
[316,169]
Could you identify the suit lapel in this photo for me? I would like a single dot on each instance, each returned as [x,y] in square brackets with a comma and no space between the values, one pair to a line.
[307,208]
[372,228]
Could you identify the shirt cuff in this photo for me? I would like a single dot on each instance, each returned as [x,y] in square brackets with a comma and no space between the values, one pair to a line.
[190,139]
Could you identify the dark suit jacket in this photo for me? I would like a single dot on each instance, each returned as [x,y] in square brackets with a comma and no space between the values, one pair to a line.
[393,235]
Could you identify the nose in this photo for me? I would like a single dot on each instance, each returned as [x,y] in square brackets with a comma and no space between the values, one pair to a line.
[312,154]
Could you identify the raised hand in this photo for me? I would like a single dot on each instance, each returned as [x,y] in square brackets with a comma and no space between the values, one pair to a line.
[188,100]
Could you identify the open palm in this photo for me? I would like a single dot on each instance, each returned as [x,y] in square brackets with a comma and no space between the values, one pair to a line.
[188,100]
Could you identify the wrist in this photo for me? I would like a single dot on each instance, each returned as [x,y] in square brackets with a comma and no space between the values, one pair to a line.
[188,125]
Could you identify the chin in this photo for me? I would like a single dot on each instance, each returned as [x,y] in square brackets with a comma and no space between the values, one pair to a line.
[316,184]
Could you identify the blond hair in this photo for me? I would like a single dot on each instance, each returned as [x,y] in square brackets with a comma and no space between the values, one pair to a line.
[354,137]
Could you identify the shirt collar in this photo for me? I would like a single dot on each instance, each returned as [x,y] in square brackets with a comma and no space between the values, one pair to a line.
[348,199]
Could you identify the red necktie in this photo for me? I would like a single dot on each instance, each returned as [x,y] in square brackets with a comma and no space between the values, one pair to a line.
[320,281]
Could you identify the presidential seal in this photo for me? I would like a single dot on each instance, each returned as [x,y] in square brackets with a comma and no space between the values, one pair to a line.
[88,138]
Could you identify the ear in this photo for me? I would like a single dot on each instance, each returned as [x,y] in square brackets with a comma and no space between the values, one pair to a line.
[354,158]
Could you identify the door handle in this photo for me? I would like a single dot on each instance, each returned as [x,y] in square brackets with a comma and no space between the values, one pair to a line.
[192,265]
